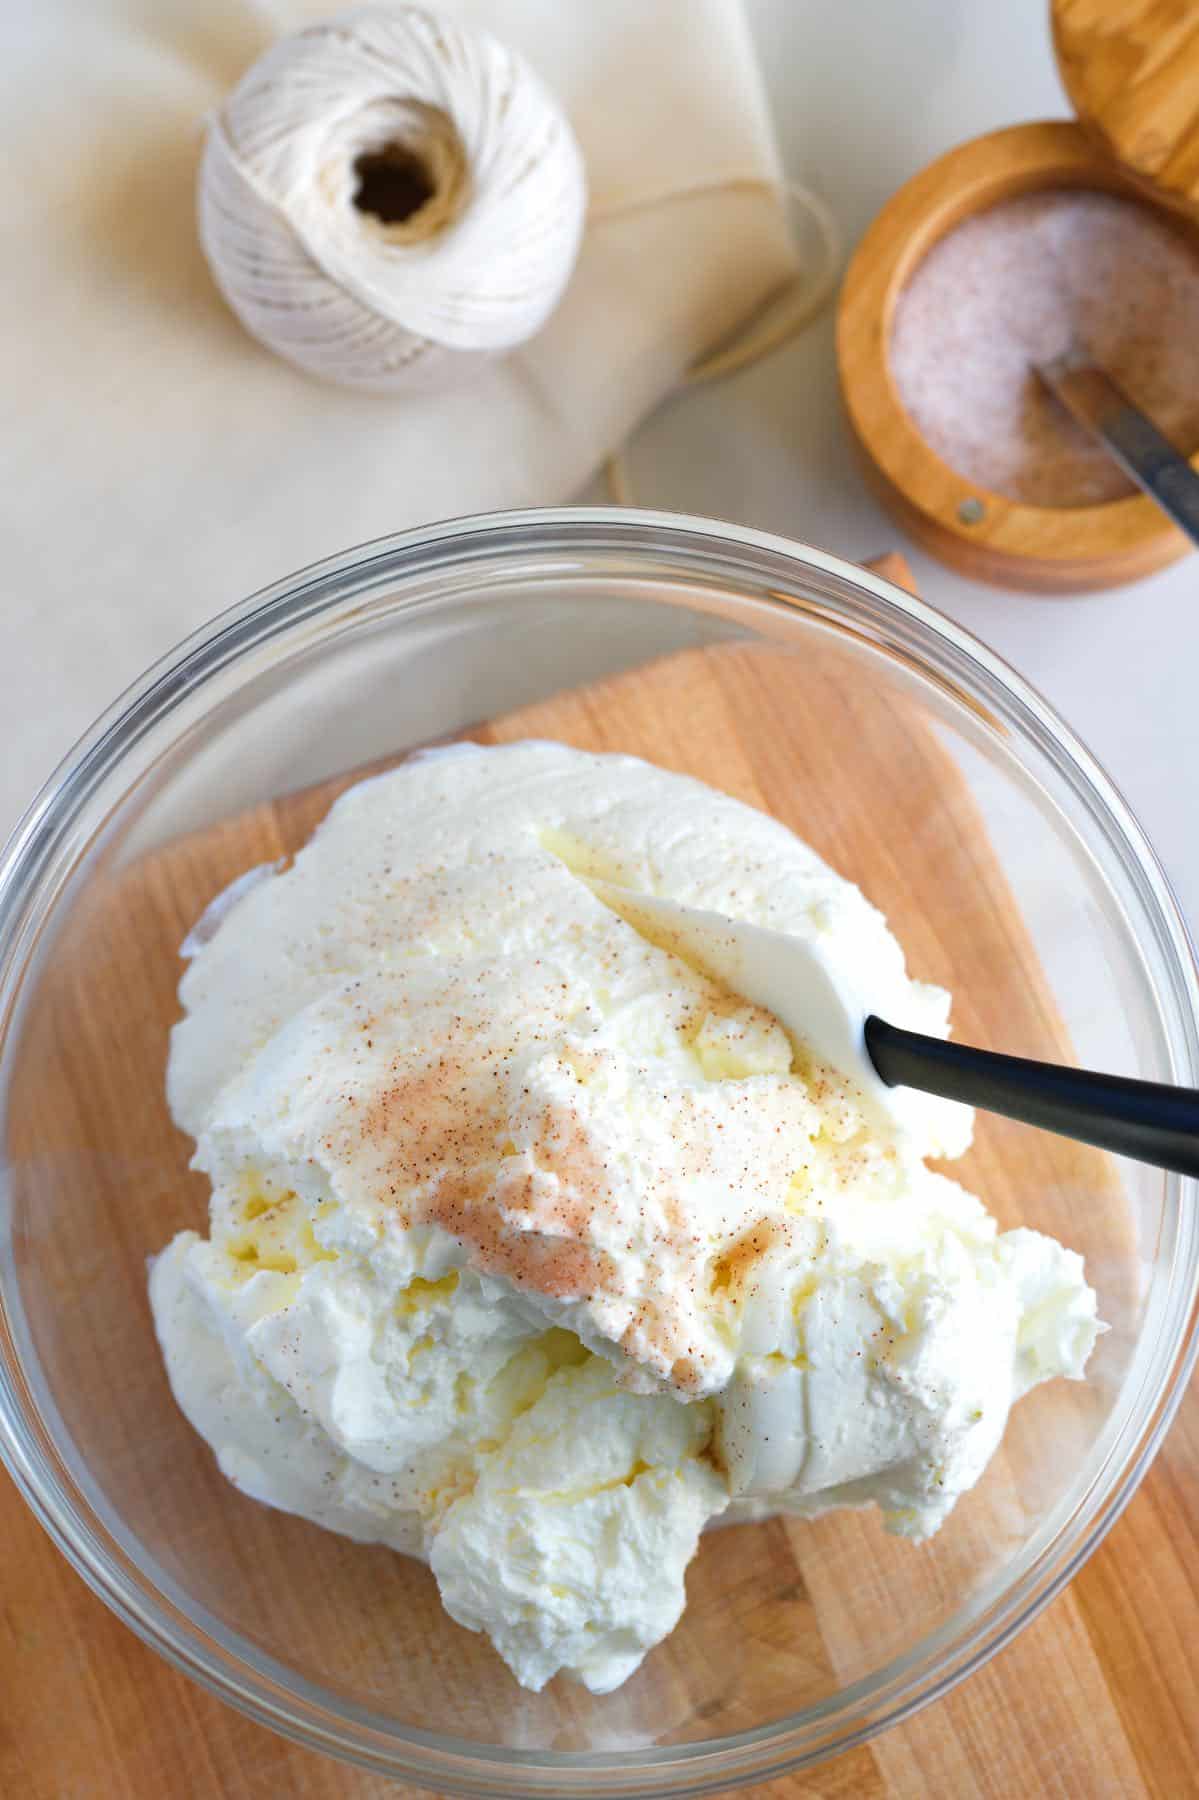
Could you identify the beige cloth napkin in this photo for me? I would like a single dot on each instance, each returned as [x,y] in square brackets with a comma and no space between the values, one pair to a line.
[158,464]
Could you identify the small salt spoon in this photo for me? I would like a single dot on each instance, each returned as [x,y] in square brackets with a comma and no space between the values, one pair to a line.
[816,1001]
[1098,403]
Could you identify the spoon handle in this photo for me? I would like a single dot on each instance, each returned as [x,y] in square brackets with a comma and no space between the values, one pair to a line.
[1144,1119]
[1134,440]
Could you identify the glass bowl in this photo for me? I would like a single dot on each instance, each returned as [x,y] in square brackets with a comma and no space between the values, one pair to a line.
[919,765]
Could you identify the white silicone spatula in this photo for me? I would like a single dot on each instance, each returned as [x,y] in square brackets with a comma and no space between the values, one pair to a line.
[817,1002]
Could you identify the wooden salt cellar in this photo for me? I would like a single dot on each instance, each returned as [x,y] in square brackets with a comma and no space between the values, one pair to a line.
[1133,75]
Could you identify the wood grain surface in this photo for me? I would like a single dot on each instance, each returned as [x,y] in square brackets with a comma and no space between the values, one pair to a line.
[1131,70]
[1098,1697]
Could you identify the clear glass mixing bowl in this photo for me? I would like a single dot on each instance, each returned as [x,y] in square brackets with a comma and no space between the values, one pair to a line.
[917,763]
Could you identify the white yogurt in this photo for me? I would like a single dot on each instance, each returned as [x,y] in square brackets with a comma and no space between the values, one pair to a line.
[532,1246]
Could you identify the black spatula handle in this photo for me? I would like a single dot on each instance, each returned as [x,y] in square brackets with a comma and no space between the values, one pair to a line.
[1143,1119]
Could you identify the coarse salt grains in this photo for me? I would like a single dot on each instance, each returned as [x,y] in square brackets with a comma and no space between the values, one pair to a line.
[1022,282]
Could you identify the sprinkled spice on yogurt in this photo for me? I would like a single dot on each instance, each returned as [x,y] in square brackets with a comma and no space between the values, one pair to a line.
[1018,283]
[534,1249]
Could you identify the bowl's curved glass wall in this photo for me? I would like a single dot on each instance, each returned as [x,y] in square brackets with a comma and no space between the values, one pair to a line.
[913,766]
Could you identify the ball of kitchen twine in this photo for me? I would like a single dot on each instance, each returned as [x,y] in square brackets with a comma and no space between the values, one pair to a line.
[387,198]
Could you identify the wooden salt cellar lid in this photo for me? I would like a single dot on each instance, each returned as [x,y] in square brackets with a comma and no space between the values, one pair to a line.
[1131,71]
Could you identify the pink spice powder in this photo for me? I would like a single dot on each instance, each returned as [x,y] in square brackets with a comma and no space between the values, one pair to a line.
[1021,282]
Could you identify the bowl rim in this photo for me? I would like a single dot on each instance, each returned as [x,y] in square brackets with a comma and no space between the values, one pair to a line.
[178,1631]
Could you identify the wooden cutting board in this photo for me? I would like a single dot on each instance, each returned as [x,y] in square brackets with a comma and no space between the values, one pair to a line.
[1099,1697]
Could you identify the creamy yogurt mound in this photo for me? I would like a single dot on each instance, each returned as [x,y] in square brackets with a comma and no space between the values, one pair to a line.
[532,1249]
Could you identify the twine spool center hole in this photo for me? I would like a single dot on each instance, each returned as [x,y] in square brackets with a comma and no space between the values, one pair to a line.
[394,183]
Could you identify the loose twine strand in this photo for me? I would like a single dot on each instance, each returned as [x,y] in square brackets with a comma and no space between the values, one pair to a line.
[777,324]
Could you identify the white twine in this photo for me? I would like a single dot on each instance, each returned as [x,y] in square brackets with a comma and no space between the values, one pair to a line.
[474,270]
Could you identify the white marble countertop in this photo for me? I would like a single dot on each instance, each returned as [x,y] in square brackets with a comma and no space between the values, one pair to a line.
[865,94]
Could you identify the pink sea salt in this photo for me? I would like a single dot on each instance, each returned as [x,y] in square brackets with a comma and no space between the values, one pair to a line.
[1022,281]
